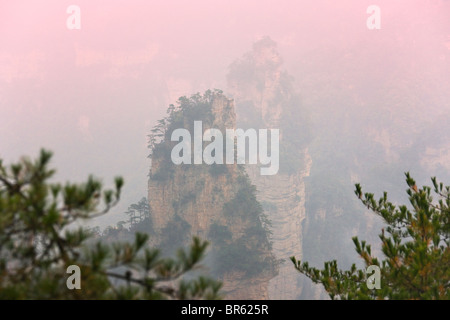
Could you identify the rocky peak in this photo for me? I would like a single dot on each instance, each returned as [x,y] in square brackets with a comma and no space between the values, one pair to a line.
[215,202]
[265,98]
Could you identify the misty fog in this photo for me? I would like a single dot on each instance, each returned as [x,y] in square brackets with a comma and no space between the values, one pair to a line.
[377,101]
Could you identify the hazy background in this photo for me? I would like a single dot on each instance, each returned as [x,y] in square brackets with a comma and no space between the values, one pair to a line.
[92,95]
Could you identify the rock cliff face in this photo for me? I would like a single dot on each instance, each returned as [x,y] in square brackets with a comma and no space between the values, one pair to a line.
[284,198]
[262,91]
[214,202]
[207,193]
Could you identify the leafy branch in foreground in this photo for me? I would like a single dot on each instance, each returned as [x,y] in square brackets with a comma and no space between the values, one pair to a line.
[415,245]
[38,243]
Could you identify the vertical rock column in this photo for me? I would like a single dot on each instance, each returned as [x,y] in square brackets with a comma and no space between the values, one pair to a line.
[286,196]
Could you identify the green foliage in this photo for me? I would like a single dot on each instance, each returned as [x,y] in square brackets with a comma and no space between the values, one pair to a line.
[184,200]
[139,221]
[140,216]
[174,234]
[220,233]
[250,252]
[166,169]
[38,243]
[197,107]
[244,203]
[415,245]
[237,256]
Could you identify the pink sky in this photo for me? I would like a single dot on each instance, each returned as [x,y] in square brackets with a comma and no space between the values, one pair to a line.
[91,95]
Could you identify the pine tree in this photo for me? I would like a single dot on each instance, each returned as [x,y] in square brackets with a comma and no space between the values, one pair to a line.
[139,214]
[415,244]
[38,243]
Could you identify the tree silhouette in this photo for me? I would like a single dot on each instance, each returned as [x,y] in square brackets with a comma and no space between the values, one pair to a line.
[38,243]
[415,244]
